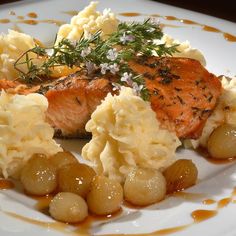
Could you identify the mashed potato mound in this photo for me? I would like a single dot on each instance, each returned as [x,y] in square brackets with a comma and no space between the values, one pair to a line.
[87,22]
[184,48]
[24,131]
[12,45]
[125,134]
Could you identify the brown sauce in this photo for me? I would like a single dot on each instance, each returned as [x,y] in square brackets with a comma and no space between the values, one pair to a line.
[202,215]
[6,184]
[210,29]
[4,21]
[189,22]
[227,36]
[208,201]
[203,152]
[35,22]
[234,192]
[62,227]
[170,230]
[32,15]
[28,22]
[71,13]
[170,18]
[54,22]
[130,14]
[219,161]
[42,202]
[85,226]
[20,17]
[224,202]
[188,196]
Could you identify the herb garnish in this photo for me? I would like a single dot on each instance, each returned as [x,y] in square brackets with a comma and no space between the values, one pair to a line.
[108,56]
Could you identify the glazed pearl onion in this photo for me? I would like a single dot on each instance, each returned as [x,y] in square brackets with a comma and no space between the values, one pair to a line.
[105,196]
[68,207]
[75,178]
[180,175]
[63,158]
[222,142]
[144,186]
[38,176]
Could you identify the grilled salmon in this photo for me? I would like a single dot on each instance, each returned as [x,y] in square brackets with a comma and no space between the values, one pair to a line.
[182,94]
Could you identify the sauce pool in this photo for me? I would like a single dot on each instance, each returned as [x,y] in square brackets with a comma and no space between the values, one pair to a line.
[224,202]
[32,15]
[208,201]
[5,21]
[202,215]
[6,184]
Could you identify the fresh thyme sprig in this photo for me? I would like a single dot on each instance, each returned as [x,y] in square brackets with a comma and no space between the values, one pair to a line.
[111,55]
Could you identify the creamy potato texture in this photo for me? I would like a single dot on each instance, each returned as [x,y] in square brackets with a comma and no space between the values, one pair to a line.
[126,134]
[87,22]
[12,45]
[184,48]
[24,131]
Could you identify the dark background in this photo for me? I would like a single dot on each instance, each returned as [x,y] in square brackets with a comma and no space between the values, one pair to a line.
[225,9]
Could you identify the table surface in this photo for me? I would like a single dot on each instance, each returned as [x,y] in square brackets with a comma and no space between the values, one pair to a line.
[225,9]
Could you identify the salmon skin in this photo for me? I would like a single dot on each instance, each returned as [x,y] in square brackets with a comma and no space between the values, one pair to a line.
[183,94]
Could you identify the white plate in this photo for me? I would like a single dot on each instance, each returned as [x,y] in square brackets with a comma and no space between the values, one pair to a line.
[215,181]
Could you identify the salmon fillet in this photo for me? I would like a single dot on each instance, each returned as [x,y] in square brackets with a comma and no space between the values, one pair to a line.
[71,103]
[182,94]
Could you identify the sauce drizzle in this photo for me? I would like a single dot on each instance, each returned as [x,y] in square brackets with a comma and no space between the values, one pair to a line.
[35,22]
[208,201]
[32,15]
[71,13]
[6,184]
[5,21]
[20,17]
[188,196]
[224,202]
[202,215]
[130,14]
[84,227]
[227,36]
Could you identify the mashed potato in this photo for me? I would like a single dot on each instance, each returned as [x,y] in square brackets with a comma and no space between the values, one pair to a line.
[12,45]
[24,131]
[87,22]
[185,49]
[125,134]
